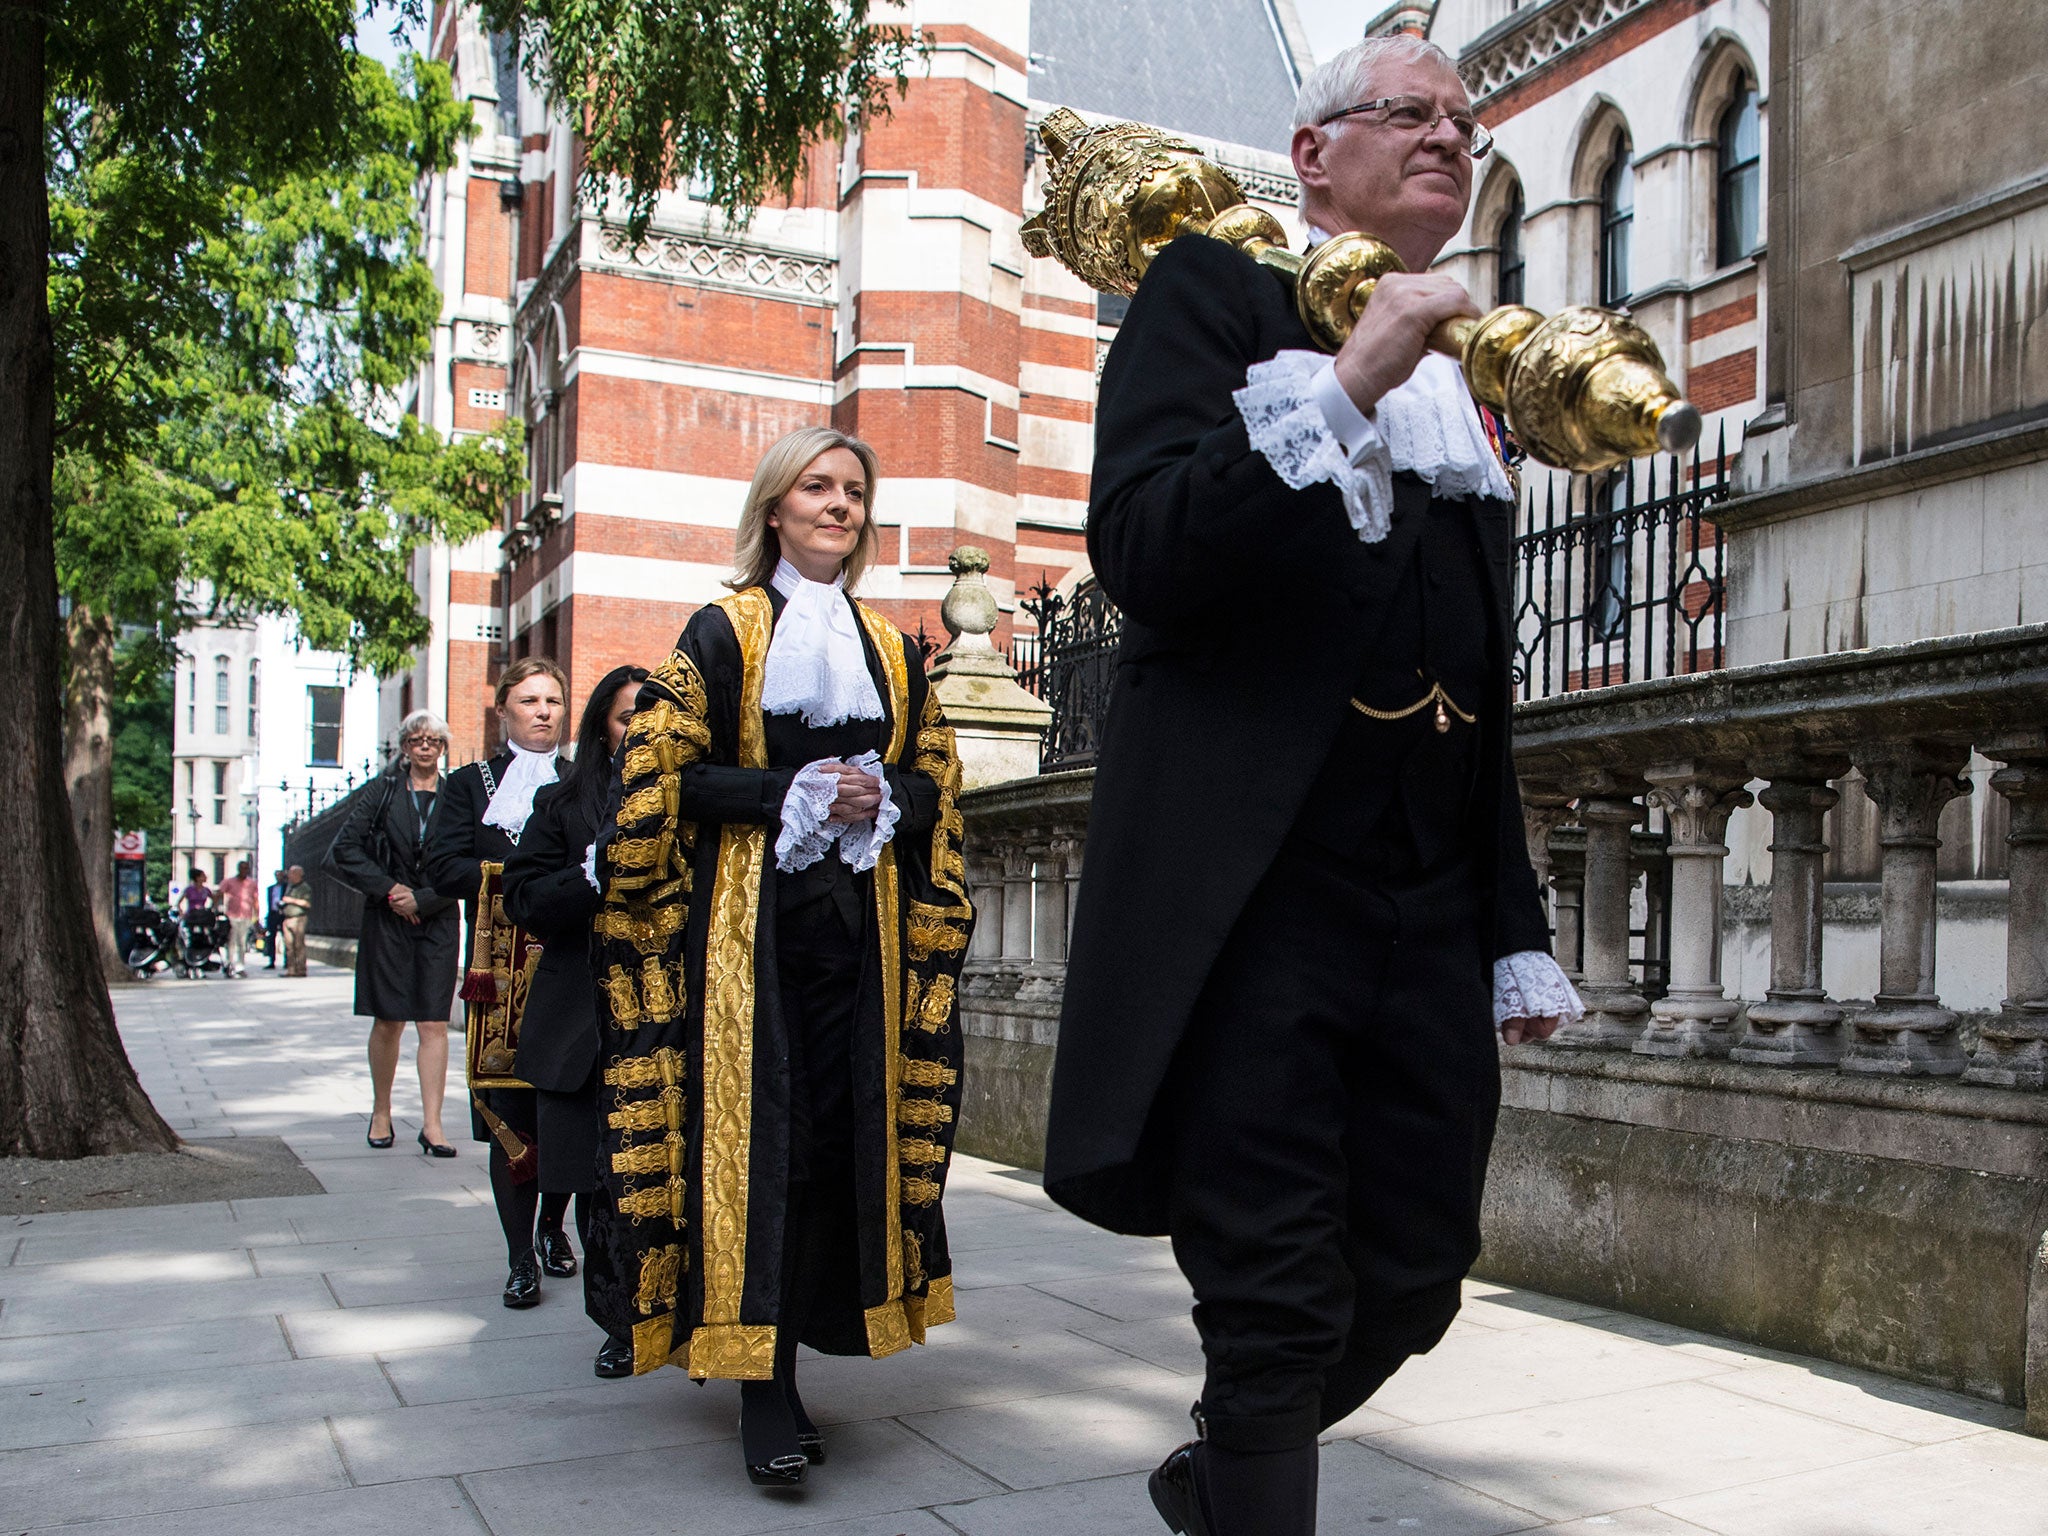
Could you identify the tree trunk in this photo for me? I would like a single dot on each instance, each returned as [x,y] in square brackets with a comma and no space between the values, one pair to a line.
[67,1088]
[89,771]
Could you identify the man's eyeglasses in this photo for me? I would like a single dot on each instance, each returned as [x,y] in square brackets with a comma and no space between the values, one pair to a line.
[1417,114]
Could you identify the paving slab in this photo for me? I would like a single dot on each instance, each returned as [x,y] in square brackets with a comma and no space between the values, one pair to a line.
[152,1474]
[415,1509]
[197,1301]
[134,1351]
[66,1411]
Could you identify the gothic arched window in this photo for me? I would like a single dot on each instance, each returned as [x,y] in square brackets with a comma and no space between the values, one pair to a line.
[1738,174]
[1617,224]
[1508,285]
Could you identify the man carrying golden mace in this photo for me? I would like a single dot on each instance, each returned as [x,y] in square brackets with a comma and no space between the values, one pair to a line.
[1308,909]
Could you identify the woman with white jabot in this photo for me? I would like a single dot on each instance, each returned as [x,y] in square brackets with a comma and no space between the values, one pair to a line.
[484,807]
[777,956]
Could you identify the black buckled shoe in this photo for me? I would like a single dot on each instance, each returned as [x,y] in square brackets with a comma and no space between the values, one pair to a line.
[522,1285]
[614,1359]
[782,1472]
[557,1258]
[1175,1494]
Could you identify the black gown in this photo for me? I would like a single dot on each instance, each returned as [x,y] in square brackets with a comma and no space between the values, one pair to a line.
[776,1042]
[403,970]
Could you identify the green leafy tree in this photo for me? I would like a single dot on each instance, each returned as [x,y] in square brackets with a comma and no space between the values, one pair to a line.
[145,149]
[142,763]
[254,464]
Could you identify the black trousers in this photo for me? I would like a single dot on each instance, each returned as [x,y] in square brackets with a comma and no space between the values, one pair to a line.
[1332,1110]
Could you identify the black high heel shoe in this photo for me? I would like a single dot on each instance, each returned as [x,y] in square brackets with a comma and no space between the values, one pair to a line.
[381,1143]
[557,1258]
[782,1472]
[431,1148]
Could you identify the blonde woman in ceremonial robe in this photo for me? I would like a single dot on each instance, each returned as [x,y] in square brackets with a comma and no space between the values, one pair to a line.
[778,955]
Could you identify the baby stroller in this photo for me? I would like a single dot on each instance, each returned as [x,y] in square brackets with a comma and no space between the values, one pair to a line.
[205,936]
[153,942]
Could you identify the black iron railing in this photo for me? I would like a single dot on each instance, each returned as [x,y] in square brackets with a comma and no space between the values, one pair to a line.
[1620,578]
[1617,578]
[1070,664]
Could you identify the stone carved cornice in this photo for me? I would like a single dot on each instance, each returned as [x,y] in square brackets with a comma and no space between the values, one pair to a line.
[801,276]
[1532,38]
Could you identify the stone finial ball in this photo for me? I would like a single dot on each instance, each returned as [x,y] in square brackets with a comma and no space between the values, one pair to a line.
[969,607]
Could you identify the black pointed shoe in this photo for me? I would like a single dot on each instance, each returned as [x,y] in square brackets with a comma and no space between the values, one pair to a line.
[614,1359]
[557,1258]
[522,1285]
[782,1472]
[1174,1494]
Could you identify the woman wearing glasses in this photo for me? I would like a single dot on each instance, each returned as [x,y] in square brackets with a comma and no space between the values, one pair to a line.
[410,942]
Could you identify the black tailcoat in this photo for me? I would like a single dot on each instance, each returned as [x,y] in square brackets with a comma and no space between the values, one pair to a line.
[1249,609]
[547,894]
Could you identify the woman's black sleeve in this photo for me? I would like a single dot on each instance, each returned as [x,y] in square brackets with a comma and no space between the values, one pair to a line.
[546,891]
[351,858]
[450,860]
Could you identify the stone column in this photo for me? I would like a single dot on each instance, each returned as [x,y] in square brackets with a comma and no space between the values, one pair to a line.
[2012,1050]
[1907,1032]
[1568,897]
[1016,907]
[1048,966]
[1697,797]
[985,890]
[1797,1024]
[1068,845]
[1545,808]
[1614,1008]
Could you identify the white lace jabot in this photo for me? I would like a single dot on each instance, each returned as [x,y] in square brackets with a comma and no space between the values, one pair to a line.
[1297,414]
[816,666]
[512,801]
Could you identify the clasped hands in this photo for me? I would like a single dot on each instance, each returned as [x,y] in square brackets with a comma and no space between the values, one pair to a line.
[859,797]
[403,900]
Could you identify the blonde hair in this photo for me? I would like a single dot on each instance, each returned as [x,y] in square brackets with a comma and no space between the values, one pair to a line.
[756,549]
[530,666]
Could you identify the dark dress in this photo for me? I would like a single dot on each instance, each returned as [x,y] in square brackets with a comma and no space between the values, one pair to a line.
[403,970]
[547,894]
[458,846]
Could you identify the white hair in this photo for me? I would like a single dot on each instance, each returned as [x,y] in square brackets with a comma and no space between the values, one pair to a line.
[422,722]
[1342,81]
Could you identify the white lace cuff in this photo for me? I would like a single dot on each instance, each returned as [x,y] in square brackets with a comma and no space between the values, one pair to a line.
[805,837]
[1285,421]
[861,843]
[590,868]
[1531,985]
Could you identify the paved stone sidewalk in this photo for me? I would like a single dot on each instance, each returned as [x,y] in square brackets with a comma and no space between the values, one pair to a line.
[340,1363]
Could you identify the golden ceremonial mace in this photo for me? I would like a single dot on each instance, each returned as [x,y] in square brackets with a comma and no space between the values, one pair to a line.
[1582,390]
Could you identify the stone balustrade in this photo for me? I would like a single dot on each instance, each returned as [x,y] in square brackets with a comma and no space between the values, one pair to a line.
[1689,749]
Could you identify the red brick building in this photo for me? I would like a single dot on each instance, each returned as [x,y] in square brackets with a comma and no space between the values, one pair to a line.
[889,296]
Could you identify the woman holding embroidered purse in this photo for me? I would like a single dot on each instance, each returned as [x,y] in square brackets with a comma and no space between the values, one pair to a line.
[777,960]
[483,811]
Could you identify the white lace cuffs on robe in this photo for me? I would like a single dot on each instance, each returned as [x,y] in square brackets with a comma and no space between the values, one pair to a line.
[1298,416]
[807,836]
[1531,985]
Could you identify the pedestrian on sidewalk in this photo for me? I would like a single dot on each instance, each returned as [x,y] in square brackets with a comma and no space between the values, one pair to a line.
[238,896]
[295,909]
[1278,1038]
[409,944]
[549,892]
[779,952]
[273,918]
[483,812]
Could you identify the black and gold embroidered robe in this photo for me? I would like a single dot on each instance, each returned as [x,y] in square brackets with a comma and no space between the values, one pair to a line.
[695,1096]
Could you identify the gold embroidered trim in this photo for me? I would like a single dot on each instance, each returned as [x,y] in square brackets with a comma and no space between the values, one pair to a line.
[653,1201]
[651,1343]
[648,1114]
[927,1074]
[663,1066]
[888,1327]
[728,1069]
[929,1008]
[625,1004]
[923,1113]
[733,1352]
[643,803]
[921,1192]
[661,995]
[661,1270]
[648,1157]
[918,1152]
